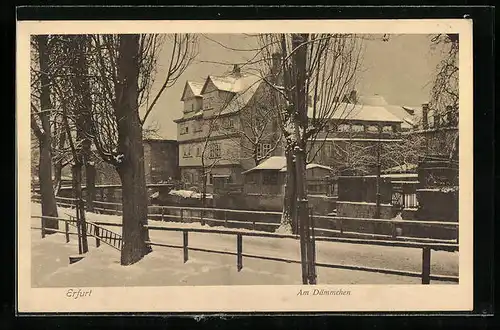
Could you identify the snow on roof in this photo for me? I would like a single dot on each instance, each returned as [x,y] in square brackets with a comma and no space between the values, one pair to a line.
[188,194]
[361,112]
[401,113]
[404,168]
[231,83]
[195,87]
[311,166]
[189,115]
[308,166]
[241,99]
[272,163]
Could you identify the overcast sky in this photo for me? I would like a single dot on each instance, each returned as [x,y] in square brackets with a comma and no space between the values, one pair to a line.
[400,70]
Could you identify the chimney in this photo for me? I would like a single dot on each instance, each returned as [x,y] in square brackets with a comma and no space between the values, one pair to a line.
[236,70]
[425,113]
[353,96]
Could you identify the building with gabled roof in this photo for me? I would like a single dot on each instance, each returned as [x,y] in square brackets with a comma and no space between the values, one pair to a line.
[212,132]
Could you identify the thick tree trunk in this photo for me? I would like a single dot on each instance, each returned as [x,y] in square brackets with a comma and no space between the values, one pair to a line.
[131,157]
[49,206]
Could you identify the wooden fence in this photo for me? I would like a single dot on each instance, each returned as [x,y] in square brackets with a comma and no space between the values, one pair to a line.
[325,225]
[426,247]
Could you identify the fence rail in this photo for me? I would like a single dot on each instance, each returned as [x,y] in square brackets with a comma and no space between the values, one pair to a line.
[335,225]
[114,240]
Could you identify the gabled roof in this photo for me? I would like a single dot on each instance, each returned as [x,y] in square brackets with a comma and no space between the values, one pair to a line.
[195,88]
[230,83]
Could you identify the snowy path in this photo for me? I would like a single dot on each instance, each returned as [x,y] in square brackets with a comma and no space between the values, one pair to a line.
[165,265]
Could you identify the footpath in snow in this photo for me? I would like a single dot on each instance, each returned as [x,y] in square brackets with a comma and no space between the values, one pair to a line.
[165,266]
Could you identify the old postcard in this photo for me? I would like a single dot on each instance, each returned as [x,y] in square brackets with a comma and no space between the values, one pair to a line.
[244,166]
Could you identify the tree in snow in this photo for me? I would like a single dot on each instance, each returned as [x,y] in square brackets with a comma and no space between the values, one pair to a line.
[322,67]
[124,68]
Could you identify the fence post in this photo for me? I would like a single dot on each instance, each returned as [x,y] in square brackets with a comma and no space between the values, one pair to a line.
[66,230]
[239,247]
[161,208]
[426,265]
[182,215]
[394,233]
[341,227]
[43,226]
[312,243]
[96,233]
[202,222]
[185,245]
[225,219]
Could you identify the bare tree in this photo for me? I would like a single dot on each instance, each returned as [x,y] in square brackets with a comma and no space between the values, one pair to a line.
[254,129]
[445,88]
[320,66]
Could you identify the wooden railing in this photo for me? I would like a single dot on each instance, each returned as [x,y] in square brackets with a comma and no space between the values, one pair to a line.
[114,239]
[96,230]
[425,274]
[337,226]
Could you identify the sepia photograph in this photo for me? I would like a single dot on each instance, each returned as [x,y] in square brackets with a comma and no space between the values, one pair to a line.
[330,165]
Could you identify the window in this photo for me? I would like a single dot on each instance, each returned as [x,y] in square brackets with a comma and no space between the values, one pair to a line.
[263,150]
[208,102]
[198,126]
[344,128]
[228,123]
[215,125]
[388,129]
[187,151]
[358,128]
[184,129]
[214,151]
[198,151]
[270,178]
[210,178]
[373,129]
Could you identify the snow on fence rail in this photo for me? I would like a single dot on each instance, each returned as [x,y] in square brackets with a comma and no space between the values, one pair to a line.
[425,273]
[341,224]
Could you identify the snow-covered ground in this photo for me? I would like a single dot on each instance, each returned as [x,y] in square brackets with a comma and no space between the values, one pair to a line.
[165,266]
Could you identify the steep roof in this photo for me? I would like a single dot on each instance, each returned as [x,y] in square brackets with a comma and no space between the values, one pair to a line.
[195,88]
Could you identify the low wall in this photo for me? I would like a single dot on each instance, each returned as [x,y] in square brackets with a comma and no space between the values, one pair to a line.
[437,204]
[363,210]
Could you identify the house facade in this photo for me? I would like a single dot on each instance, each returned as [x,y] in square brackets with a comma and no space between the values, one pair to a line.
[217,135]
